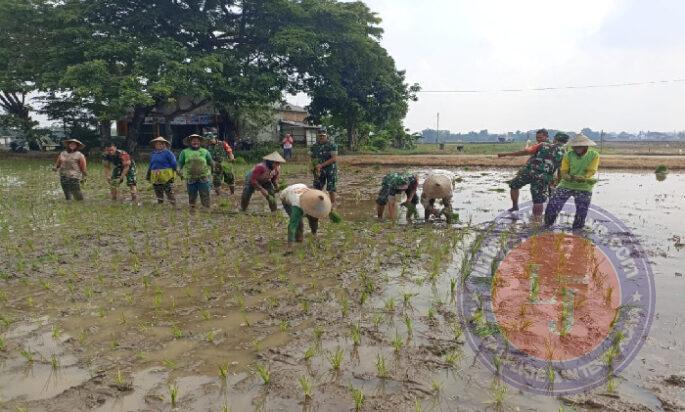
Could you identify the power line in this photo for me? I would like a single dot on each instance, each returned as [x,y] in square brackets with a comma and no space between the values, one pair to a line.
[572,87]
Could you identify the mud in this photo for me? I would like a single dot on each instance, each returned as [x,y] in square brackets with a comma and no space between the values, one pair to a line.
[135,302]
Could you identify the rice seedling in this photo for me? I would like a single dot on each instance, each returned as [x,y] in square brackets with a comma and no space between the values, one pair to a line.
[56,332]
[550,374]
[54,362]
[409,325]
[169,364]
[397,342]
[223,372]
[3,344]
[211,335]
[28,355]
[309,353]
[335,359]
[431,313]
[318,333]
[453,358]
[263,373]
[176,332]
[173,395]
[498,392]
[119,378]
[436,386]
[356,334]
[284,325]
[389,305]
[307,388]
[381,368]
[358,397]
[612,384]
[205,314]
[225,408]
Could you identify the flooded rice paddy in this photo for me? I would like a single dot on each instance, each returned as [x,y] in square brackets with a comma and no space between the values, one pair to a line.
[119,307]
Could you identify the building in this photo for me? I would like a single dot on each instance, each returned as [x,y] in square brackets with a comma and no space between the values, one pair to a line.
[267,127]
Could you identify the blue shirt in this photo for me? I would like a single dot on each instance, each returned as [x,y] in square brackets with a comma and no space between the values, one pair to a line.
[163,159]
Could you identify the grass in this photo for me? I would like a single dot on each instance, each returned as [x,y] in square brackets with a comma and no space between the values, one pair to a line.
[173,395]
[397,342]
[306,386]
[356,334]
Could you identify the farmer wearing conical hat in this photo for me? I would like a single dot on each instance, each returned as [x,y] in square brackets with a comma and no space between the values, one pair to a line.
[539,171]
[299,201]
[438,185]
[264,179]
[394,184]
[195,162]
[324,156]
[71,164]
[162,170]
[222,154]
[578,169]
[119,165]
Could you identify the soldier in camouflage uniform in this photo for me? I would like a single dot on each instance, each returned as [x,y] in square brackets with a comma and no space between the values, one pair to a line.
[393,184]
[222,154]
[324,165]
[119,165]
[539,172]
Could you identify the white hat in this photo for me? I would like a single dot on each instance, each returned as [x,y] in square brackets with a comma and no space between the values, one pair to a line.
[316,203]
[80,145]
[274,157]
[437,186]
[581,140]
[161,140]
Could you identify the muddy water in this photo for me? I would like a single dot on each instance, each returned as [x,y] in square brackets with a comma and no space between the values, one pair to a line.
[431,370]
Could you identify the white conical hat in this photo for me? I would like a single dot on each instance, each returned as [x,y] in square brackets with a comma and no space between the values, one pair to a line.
[274,157]
[437,186]
[316,203]
[581,140]
[161,140]
[80,145]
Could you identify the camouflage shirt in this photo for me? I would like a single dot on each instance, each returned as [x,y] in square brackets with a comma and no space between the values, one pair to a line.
[397,180]
[546,161]
[220,151]
[324,152]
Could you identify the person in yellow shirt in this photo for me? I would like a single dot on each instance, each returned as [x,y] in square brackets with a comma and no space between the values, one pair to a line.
[578,168]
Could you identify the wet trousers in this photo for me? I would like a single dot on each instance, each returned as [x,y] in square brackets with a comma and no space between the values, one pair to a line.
[582,200]
[71,188]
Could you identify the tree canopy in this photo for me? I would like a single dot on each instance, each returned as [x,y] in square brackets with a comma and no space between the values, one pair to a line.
[109,59]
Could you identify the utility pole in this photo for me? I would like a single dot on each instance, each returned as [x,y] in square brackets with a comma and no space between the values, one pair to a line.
[601,140]
[437,130]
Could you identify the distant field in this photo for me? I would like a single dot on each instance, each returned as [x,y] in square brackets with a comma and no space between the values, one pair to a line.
[614,148]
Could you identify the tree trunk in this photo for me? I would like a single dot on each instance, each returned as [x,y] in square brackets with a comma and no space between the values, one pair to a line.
[105,128]
[352,136]
[133,134]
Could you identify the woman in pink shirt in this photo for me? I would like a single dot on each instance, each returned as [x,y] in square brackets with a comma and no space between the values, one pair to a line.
[288,146]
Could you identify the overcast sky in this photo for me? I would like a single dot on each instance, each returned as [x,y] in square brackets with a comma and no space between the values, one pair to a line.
[507,44]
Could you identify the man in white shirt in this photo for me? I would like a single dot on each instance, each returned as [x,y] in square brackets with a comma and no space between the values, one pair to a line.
[438,185]
[298,200]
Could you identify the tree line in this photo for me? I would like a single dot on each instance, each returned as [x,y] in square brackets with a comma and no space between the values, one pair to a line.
[91,62]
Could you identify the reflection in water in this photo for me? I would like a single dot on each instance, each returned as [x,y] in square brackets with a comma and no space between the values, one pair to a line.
[661,176]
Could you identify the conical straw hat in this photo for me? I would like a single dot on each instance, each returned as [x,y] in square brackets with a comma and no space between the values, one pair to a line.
[78,142]
[187,140]
[581,140]
[274,157]
[437,186]
[160,139]
[315,203]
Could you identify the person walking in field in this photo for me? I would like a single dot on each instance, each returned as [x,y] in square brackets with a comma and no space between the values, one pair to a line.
[222,154]
[539,172]
[263,179]
[439,185]
[195,162]
[288,147]
[300,201]
[72,168]
[394,184]
[119,165]
[578,168]
[324,156]
[162,170]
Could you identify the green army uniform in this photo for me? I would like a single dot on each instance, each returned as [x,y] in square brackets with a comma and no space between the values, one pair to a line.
[223,170]
[539,171]
[392,184]
[117,161]
[328,177]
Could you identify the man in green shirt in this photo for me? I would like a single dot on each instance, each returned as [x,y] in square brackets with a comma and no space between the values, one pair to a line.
[195,163]
[324,165]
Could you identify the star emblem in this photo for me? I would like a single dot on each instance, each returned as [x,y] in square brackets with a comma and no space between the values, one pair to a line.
[637,297]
